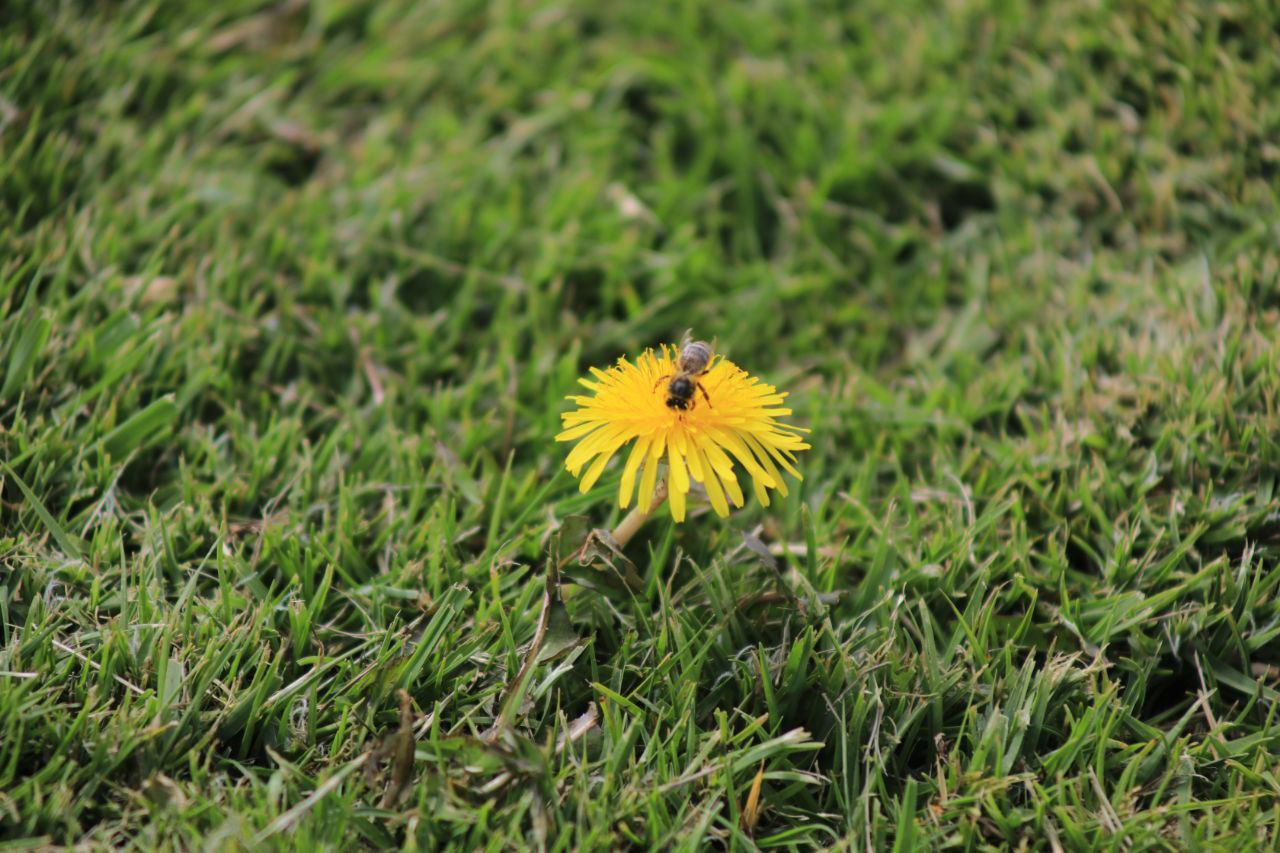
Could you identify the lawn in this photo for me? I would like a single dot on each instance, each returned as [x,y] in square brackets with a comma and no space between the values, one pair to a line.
[291,297]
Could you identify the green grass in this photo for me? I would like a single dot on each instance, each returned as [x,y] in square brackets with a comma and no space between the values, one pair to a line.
[290,295]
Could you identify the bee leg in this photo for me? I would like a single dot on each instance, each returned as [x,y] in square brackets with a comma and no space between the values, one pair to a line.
[704,395]
[661,379]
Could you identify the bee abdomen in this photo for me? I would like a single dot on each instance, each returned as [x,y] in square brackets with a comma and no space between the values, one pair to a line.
[695,356]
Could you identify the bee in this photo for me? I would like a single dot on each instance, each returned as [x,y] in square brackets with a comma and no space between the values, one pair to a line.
[693,361]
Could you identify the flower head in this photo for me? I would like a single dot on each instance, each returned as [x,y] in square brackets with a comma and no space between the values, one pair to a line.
[733,417]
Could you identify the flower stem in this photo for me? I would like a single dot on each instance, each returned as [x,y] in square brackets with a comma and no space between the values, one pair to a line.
[635,519]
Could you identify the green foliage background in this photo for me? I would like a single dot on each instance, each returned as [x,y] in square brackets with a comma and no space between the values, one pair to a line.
[291,295]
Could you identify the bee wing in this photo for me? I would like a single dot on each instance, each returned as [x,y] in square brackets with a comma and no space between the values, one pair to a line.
[714,344]
[686,338]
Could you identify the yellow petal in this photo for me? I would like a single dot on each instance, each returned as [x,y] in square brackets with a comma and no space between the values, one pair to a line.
[762,494]
[628,485]
[577,431]
[712,484]
[648,480]
[781,457]
[724,469]
[593,473]
[739,449]
[676,498]
[694,461]
[579,456]
[658,446]
[762,456]
[676,470]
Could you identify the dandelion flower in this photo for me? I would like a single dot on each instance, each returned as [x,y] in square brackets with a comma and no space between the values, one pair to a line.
[736,420]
